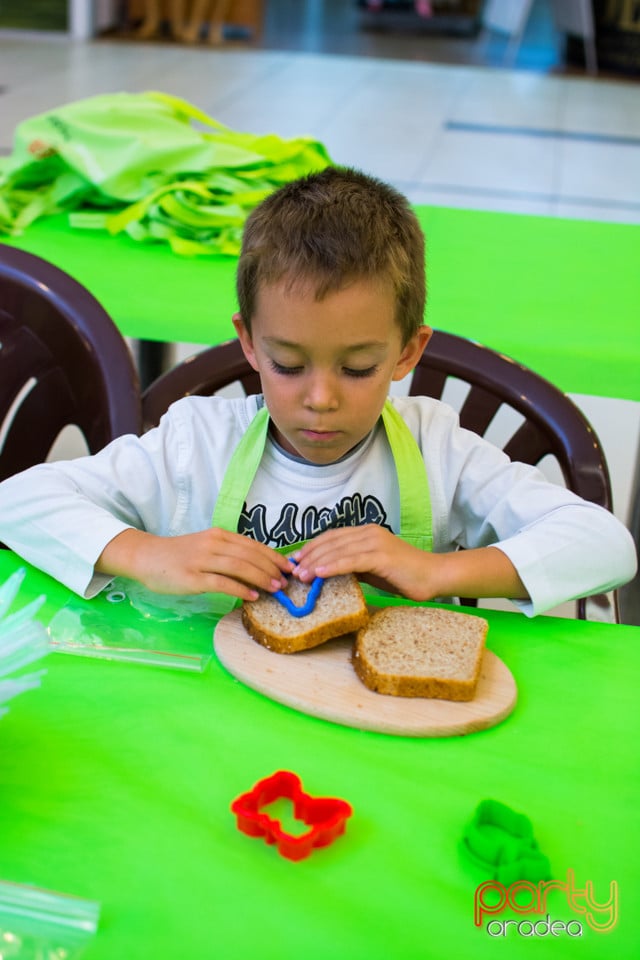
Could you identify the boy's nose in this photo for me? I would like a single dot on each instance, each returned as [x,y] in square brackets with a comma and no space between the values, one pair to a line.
[322,393]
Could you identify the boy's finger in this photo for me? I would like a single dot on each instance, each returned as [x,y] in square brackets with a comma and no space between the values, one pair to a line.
[270,555]
[252,552]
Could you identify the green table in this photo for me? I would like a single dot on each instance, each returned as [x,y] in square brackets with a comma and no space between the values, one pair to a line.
[117,780]
[561,296]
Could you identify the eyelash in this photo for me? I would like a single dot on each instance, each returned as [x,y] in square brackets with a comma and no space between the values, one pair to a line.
[294,371]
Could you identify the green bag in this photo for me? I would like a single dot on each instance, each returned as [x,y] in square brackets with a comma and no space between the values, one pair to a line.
[150,164]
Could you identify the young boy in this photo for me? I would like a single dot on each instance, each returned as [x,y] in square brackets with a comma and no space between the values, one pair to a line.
[331,293]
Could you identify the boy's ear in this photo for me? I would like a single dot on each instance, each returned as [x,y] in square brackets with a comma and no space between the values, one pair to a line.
[411,352]
[245,340]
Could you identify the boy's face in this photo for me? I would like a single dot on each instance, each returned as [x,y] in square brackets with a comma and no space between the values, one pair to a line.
[326,365]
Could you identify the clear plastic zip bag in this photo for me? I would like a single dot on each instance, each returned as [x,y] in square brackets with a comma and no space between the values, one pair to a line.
[41,925]
[22,640]
[128,622]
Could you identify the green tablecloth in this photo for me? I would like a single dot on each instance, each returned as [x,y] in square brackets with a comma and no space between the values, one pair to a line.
[561,296]
[117,778]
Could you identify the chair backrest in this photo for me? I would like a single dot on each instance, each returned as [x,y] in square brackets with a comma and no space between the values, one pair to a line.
[549,423]
[201,375]
[552,424]
[62,361]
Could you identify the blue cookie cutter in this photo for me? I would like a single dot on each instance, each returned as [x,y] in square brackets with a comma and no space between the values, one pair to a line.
[310,603]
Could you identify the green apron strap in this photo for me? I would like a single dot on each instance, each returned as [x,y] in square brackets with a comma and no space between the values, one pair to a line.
[240,473]
[236,482]
[416,525]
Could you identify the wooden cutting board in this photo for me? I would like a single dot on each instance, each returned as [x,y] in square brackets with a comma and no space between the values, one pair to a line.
[323,683]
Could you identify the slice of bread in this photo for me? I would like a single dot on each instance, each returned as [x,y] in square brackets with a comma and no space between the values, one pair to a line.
[421,652]
[340,608]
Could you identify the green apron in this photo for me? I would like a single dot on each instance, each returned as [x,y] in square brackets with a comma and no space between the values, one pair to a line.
[413,485]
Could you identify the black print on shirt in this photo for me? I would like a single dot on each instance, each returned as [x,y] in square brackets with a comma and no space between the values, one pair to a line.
[291,528]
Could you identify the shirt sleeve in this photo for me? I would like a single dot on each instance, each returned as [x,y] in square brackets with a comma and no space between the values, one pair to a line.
[60,516]
[562,546]
[574,551]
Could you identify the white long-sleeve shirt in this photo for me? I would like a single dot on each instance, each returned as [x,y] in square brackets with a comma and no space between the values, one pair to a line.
[60,516]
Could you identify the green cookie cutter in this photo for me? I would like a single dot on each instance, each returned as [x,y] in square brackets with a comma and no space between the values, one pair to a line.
[501,842]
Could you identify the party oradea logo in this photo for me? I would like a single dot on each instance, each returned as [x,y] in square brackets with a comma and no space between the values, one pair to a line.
[529,901]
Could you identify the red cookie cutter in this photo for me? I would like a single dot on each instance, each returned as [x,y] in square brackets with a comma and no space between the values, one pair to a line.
[326,816]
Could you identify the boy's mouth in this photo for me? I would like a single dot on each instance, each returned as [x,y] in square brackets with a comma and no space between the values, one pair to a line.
[318,436]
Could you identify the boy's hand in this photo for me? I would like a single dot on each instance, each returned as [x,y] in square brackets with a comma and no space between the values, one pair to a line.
[382,559]
[212,561]
[375,554]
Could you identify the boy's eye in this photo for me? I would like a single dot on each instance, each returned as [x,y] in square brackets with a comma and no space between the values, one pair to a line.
[348,371]
[285,371]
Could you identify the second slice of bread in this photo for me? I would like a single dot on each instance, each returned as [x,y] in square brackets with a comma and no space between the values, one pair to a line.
[421,652]
[340,609]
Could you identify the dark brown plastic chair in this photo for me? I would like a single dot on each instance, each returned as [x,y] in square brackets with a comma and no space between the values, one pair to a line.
[201,375]
[552,424]
[62,361]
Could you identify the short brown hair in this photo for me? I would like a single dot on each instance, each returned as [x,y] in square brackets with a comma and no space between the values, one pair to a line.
[333,228]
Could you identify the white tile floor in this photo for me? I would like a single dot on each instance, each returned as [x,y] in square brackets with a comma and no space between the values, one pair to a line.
[465,136]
